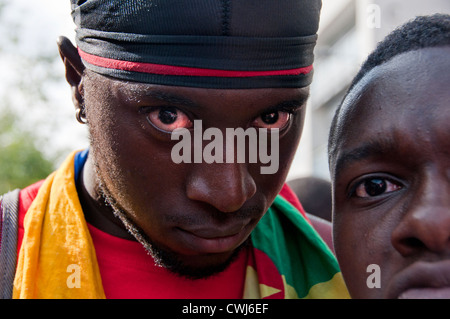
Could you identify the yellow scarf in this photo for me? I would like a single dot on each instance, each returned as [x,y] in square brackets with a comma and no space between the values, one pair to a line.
[57,254]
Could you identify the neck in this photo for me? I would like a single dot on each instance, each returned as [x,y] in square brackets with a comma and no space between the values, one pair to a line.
[96,211]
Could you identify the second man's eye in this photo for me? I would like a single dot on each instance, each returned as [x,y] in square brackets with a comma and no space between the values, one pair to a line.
[168,119]
[372,187]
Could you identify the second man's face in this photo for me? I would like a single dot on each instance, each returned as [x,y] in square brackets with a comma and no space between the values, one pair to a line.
[391,174]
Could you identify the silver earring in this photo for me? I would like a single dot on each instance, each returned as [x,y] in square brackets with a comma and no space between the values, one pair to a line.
[81,117]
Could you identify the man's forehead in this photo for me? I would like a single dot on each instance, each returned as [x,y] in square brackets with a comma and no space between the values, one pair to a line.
[194,97]
[393,104]
[402,76]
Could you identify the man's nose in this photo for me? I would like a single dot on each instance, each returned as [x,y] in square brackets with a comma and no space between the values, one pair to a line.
[226,186]
[425,226]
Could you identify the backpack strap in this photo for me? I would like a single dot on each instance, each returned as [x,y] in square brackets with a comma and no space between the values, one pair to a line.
[9,211]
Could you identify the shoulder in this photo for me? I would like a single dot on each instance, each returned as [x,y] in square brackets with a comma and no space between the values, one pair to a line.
[288,194]
[322,226]
[26,197]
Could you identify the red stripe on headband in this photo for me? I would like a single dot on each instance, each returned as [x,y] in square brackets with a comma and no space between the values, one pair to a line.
[181,70]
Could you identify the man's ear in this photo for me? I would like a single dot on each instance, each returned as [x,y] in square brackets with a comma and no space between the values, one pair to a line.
[74,69]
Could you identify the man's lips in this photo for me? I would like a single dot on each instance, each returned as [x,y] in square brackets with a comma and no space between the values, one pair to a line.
[422,280]
[212,240]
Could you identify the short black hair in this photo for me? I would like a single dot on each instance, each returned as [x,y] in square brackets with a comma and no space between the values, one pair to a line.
[421,32]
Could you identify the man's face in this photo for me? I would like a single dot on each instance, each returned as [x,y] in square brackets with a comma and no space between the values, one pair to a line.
[198,213]
[391,175]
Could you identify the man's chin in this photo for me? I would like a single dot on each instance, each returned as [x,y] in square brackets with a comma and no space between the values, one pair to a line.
[194,267]
[188,266]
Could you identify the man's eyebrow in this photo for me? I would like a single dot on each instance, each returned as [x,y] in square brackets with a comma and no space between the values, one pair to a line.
[170,98]
[366,150]
[173,98]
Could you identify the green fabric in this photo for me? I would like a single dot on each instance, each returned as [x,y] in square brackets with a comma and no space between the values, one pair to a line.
[295,247]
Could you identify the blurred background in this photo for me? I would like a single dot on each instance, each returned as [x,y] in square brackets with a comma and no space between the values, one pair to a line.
[37,119]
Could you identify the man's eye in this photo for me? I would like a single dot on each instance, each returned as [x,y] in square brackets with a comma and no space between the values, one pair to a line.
[168,119]
[277,119]
[372,187]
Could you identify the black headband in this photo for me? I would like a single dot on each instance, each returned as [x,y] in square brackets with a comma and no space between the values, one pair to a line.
[200,43]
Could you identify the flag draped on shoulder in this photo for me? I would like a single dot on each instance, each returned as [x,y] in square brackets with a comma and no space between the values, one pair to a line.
[290,258]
